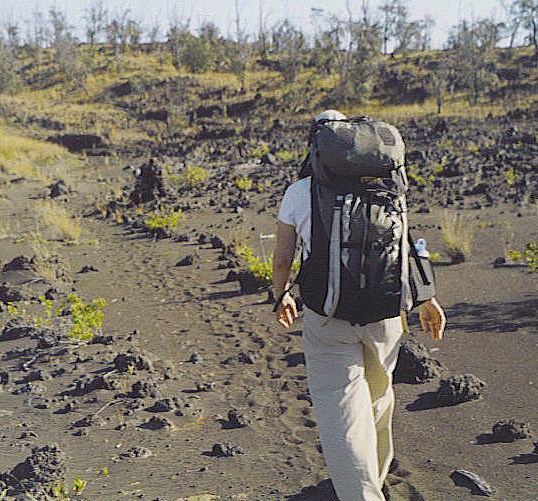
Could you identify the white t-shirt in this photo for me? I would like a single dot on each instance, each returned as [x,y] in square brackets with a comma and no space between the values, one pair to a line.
[295,210]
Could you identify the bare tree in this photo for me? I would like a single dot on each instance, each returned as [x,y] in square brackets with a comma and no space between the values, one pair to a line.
[36,36]
[513,20]
[240,51]
[262,29]
[394,22]
[528,12]
[425,28]
[96,20]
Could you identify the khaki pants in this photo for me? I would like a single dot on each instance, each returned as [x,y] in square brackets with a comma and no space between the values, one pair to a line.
[350,380]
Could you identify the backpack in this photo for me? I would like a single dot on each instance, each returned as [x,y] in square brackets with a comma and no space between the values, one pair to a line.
[359,267]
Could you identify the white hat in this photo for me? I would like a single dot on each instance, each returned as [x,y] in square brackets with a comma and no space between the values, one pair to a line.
[330,115]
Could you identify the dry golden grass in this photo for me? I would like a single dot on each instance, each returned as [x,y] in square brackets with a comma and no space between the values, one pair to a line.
[33,159]
[45,259]
[64,225]
[458,234]
[5,230]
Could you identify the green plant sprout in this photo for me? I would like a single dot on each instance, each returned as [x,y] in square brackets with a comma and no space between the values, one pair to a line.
[510,176]
[79,485]
[531,255]
[60,491]
[262,150]
[287,156]
[261,186]
[513,255]
[244,183]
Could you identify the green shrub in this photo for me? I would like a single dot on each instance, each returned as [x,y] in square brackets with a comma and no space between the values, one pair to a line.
[418,179]
[192,177]
[259,268]
[166,219]
[435,257]
[439,168]
[85,317]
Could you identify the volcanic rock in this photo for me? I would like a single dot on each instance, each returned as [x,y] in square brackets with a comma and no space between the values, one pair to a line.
[188,260]
[10,293]
[224,450]
[157,423]
[136,452]
[17,328]
[58,189]
[77,143]
[415,365]
[20,263]
[129,361]
[45,466]
[235,420]
[143,389]
[511,430]
[458,389]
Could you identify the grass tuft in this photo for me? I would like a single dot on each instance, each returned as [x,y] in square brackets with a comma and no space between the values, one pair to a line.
[458,234]
[65,226]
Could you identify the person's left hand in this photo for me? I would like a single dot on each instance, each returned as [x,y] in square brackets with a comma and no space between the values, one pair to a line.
[286,311]
[432,318]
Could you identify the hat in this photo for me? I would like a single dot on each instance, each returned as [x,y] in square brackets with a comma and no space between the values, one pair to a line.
[330,115]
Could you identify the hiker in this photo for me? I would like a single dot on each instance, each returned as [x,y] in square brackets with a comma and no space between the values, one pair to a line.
[350,354]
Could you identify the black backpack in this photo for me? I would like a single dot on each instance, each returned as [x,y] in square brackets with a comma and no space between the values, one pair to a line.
[359,267]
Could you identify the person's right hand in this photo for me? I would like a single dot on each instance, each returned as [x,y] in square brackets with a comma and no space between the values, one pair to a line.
[286,311]
[432,318]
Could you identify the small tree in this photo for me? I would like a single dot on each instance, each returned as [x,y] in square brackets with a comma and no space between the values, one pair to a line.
[64,45]
[326,54]
[438,80]
[177,38]
[363,63]
[9,77]
[474,51]
[290,44]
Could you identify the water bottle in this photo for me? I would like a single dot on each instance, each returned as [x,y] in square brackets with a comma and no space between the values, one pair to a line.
[420,246]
